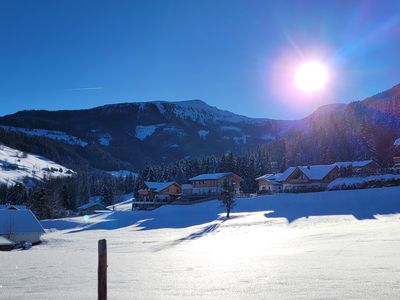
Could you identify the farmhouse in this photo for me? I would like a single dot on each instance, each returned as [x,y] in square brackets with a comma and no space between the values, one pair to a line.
[212,184]
[269,183]
[358,167]
[161,191]
[18,224]
[308,178]
[154,194]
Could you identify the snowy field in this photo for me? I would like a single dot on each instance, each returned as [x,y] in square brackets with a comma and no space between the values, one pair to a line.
[328,245]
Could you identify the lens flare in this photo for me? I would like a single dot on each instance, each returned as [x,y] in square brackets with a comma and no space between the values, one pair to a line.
[311,77]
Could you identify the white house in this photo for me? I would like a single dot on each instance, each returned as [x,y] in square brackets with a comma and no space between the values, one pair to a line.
[19,224]
[269,183]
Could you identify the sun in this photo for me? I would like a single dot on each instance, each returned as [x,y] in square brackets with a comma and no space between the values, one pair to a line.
[311,77]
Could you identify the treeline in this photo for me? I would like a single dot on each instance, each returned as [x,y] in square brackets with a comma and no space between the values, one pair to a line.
[58,197]
[272,157]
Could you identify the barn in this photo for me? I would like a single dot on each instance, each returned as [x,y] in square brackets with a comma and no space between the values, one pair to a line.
[18,224]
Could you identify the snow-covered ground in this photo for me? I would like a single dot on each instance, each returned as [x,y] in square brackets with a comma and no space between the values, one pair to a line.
[16,166]
[327,245]
[142,132]
[122,173]
[105,139]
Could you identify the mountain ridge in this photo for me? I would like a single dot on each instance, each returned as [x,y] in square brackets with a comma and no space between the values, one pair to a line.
[138,133]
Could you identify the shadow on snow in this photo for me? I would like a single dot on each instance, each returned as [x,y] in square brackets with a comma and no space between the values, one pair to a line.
[362,204]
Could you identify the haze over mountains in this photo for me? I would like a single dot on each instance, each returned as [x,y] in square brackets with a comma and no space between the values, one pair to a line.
[130,135]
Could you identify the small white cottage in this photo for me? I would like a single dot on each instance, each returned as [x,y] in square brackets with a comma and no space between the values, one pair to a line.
[269,183]
[19,224]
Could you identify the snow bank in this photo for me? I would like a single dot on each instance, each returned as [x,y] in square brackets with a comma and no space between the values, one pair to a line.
[354,182]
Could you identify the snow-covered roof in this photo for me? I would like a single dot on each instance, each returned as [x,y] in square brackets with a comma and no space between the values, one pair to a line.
[397,142]
[358,181]
[11,206]
[21,220]
[317,172]
[264,177]
[210,176]
[287,173]
[158,186]
[272,178]
[92,204]
[354,164]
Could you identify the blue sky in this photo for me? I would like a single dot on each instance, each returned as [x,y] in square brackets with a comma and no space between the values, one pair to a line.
[237,55]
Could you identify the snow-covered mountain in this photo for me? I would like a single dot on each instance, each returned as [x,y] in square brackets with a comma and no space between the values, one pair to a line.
[129,135]
[20,167]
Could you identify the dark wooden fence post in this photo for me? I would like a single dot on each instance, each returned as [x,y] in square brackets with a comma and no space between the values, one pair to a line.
[102,271]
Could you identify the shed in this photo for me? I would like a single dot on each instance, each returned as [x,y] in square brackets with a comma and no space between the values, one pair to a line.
[92,208]
[19,224]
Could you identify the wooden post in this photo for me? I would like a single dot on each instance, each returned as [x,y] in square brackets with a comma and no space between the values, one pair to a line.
[102,271]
